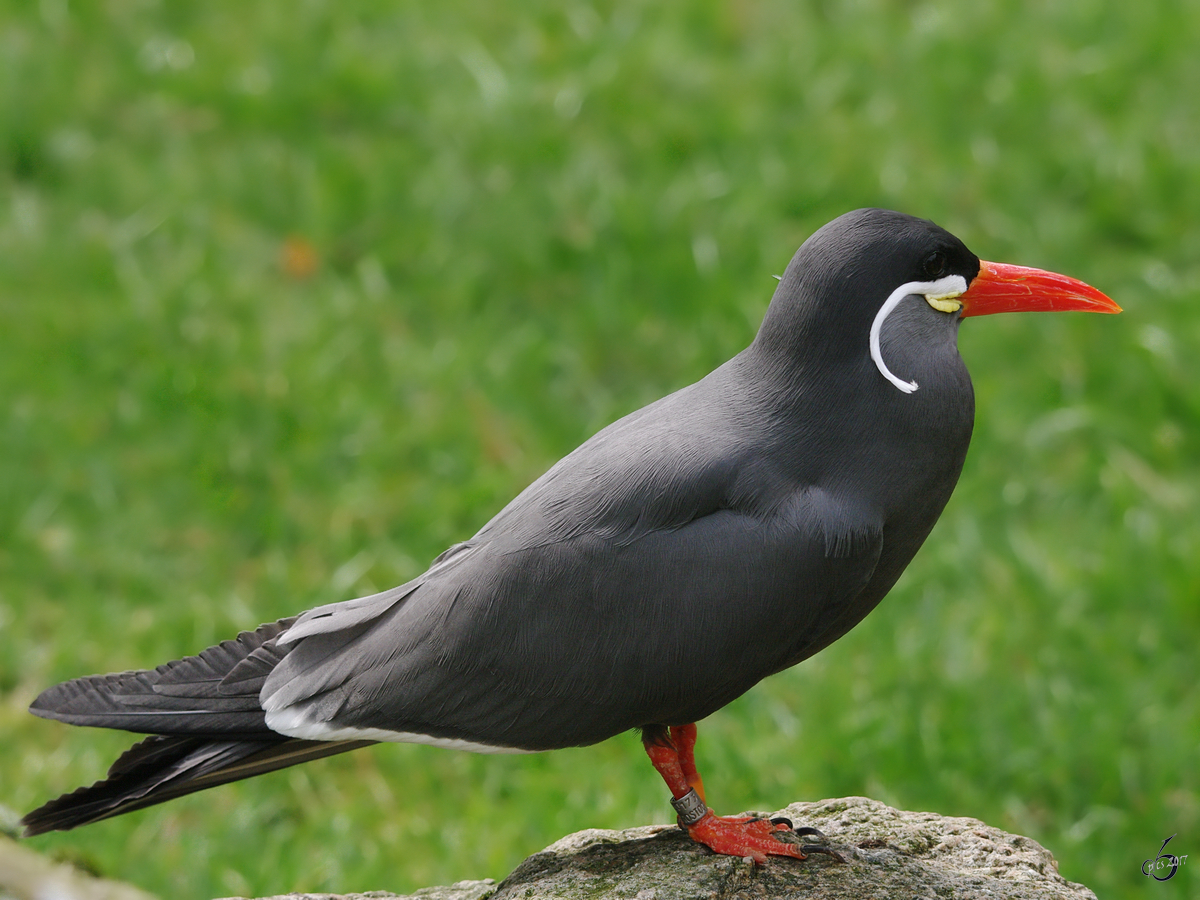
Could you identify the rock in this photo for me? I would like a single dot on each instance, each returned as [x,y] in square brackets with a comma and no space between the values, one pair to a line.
[26,875]
[460,890]
[887,852]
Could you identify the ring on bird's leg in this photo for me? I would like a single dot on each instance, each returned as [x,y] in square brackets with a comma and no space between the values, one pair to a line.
[690,808]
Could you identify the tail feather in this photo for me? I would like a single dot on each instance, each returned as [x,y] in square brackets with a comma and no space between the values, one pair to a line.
[162,768]
[205,720]
[187,696]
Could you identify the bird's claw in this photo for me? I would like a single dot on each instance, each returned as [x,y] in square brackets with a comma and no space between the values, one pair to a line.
[807,831]
[745,836]
[821,848]
[784,824]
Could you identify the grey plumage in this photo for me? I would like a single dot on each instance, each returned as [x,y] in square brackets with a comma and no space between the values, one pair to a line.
[672,561]
[205,722]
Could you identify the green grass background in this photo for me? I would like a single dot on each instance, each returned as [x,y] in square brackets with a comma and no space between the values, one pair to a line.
[530,219]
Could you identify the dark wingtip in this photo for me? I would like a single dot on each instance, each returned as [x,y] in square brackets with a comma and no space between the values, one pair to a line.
[53,816]
[41,707]
[164,767]
[29,827]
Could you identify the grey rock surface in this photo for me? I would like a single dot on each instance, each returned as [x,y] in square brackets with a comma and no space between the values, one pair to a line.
[887,852]
[26,875]
[461,890]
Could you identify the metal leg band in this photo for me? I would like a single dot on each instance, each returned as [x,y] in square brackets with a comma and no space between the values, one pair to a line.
[690,808]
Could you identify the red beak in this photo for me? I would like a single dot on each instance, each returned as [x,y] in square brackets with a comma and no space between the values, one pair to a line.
[1003,288]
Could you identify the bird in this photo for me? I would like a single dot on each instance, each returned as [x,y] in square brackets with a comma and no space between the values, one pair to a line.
[717,536]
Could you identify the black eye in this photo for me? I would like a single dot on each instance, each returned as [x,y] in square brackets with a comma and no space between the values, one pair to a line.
[935,265]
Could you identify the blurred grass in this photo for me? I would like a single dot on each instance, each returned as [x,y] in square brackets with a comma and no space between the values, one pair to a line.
[294,295]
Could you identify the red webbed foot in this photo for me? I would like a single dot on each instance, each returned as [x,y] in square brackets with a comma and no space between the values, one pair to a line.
[743,836]
[671,750]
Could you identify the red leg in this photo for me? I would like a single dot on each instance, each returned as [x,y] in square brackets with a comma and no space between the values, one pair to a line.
[671,753]
[684,739]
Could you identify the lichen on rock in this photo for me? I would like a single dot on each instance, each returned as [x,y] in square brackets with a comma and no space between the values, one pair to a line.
[887,853]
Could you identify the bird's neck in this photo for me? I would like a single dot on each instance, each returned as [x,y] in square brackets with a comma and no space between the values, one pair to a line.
[835,418]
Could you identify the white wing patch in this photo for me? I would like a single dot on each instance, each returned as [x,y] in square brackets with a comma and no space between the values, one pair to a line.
[942,289]
[293,723]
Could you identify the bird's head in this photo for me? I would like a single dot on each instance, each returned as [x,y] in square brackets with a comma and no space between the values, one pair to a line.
[896,287]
